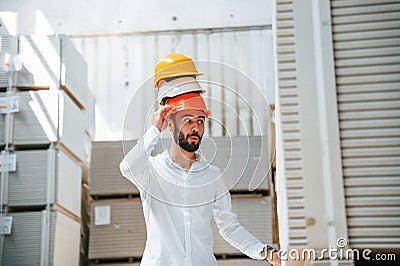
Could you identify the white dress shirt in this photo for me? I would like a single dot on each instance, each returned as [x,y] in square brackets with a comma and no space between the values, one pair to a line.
[178,208]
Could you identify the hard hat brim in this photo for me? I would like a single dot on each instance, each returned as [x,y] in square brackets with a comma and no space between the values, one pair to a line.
[170,90]
[173,74]
[188,101]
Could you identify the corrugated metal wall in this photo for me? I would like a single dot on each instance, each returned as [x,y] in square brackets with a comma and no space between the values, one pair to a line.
[289,116]
[367,59]
[119,65]
[361,52]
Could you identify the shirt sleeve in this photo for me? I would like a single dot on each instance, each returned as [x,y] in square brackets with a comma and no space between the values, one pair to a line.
[136,160]
[230,228]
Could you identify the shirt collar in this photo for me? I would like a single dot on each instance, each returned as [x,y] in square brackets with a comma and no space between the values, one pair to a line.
[199,158]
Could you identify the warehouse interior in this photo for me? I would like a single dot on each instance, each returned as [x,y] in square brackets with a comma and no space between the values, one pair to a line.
[305,124]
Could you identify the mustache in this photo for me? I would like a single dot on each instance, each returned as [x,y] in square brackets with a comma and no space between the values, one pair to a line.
[195,134]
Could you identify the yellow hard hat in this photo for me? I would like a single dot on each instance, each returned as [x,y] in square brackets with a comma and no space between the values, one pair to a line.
[174,65]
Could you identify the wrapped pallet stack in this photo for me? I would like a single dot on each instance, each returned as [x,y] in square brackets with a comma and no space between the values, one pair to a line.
[245,164]
[115,219]
[115,216]
[45,138]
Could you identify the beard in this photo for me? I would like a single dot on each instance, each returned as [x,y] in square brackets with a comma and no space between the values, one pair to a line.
[183,141]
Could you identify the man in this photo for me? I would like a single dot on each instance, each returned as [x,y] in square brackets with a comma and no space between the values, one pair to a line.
[180,191]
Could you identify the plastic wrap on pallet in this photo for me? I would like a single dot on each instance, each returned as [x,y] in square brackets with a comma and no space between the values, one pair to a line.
[125,234]
[254,213]
[243,161]
[85,210]
[87,159]
[49,116]
[53,61]
[45,176]
[105,176]
[25,246]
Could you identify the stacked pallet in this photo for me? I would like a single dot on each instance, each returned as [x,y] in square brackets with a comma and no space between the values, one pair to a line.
[117,227]
[43,138]
[114,215]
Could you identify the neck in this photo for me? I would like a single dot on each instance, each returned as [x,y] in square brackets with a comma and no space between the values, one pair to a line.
[181,157]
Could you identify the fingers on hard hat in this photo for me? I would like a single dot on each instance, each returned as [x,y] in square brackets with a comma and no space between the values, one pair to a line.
[166,111]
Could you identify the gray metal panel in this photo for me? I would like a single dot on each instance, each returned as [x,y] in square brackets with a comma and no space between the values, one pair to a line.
[52,236]
[105,176]
[367,61]
[37,120]
[22,246]
[8,44]
[53,61]
[242,160]
[289,112]
[40,118]
[254,213]
[3,124]
[2,128]
[27,186]
[124,237]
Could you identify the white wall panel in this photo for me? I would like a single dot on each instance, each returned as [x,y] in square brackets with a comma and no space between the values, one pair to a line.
[42,16]
[120,65]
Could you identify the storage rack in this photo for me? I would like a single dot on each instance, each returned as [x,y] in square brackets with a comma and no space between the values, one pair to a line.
[46,136]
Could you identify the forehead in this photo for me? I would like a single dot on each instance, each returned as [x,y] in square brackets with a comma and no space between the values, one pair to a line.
[189,113]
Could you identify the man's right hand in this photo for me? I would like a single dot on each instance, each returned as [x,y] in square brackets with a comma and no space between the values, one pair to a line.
[273,258]
[158,115]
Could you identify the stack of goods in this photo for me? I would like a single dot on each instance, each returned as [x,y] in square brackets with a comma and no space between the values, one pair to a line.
[115,217]
[245,164]
[44,132]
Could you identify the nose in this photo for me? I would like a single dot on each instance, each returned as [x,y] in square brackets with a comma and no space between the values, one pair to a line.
[195,128]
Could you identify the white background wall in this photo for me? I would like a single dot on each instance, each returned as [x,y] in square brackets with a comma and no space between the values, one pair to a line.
[122,40]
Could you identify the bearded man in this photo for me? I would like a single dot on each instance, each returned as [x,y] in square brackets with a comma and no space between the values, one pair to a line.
[180,191]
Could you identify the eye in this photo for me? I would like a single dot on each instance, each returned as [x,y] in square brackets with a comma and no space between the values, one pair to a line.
[200,122]
[188,120]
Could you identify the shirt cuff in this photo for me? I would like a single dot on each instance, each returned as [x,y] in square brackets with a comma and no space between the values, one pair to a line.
[261,251]
[150,138]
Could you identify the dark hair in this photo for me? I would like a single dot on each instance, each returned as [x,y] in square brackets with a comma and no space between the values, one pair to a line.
[177,77]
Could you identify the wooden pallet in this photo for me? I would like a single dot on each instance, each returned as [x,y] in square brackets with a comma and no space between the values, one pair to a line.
[53,207]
